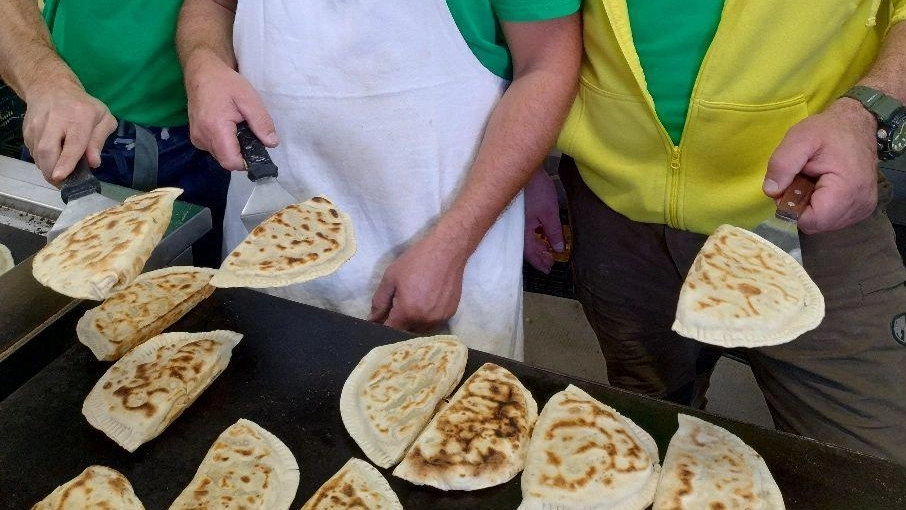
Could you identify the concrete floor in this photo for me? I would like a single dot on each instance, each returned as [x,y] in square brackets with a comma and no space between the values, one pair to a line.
[558,338]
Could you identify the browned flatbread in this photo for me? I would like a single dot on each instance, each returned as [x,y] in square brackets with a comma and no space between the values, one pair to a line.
[149,387]
[6,259]
[742,291]
[586,455]
[393,392]
[357,485]
[707,466]
[147,306]
[105,251]
[246,468]
[479,439]
[297,243]
[98,487]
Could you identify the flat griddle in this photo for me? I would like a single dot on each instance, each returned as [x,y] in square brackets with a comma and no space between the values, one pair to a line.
[286,375]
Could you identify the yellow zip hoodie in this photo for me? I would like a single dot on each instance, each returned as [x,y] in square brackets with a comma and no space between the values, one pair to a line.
[771,64]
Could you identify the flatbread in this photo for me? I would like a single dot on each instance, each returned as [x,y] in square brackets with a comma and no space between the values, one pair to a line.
[147,306]
[393,392]
[707,466]
[96,487]
[6,259]
[585,455]
[743,291]
[247,467]
[148,388]
[297,243]
[356,485]
[105,251]
[479,439]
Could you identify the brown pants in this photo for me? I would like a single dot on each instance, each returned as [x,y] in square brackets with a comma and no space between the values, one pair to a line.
[843,383]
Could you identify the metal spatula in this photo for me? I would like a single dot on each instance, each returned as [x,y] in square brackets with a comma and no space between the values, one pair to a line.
[81,192]
[268,196]
[781,228]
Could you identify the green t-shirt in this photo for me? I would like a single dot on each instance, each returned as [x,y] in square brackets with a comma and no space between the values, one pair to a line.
[479,23]
[125,55]
[671,42]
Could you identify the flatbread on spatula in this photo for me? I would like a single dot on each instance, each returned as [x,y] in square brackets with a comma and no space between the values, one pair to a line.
[479,439]
[707,466]
[97,487]
[584,455]
[247,467]
[357,485]
[6,259]
[105,251]
[297,243]
[743,291]
[394,390]
[147,306]
[149,387]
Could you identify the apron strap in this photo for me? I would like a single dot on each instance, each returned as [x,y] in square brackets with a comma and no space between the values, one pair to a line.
[144,174]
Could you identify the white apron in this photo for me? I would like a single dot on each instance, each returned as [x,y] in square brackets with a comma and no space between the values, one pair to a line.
[380,107]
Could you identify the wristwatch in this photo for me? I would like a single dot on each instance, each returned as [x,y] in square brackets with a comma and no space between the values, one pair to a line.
[891,116]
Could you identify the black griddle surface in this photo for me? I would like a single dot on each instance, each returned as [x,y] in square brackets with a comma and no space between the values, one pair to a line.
[22,244]
[286,375]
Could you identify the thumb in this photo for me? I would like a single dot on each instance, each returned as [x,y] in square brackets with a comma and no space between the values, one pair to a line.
[382,301]
[786,162]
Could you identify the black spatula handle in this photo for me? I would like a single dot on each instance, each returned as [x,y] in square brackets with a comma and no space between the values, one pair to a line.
[257,160]
[79,183]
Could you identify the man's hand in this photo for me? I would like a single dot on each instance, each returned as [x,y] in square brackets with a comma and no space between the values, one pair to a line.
[219,99]
[542,209]
[62,123]
[838,147]
[420,290]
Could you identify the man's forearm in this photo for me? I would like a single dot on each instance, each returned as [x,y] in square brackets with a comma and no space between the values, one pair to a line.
[519,135]
[888,73]
[205,29]
[27,55]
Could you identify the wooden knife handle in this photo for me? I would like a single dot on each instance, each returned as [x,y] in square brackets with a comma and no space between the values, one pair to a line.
[796,197]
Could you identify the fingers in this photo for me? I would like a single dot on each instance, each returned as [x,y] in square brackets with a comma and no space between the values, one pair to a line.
[794,151]
[382,302]
[260,122]
[225,146]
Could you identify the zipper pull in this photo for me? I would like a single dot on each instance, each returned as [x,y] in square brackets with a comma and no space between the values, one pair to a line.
[675,161]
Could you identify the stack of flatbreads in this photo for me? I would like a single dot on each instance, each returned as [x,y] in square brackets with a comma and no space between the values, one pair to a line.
[6,259]
[393,392]
[479,439]
[96,487]
[356,485]
[707,466]
[147,306]
[148,388]
[743,291]
[247,467]
[584,454]
[105,251]
[297,243]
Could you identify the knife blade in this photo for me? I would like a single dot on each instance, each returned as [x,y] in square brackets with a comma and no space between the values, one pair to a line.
[781,228]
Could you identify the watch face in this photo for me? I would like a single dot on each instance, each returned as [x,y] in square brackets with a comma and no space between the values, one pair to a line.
[898,139]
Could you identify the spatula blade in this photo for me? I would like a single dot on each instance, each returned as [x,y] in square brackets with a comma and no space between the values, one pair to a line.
[267,197]
[782,233]
[81,194]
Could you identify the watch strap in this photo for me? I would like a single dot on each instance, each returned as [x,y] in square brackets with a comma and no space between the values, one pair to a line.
[875,101]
